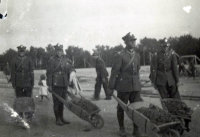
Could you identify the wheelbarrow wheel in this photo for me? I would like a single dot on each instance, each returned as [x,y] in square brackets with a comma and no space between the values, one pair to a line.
[97,121]
[180,129]
[171,133]
[28,116]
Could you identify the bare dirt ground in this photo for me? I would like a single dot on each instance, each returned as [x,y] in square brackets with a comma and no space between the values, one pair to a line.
[43,124]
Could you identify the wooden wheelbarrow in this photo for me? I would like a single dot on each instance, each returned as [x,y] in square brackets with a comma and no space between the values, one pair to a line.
[25,106]
[172,106]
[145,124]
[80,106]
[83,108]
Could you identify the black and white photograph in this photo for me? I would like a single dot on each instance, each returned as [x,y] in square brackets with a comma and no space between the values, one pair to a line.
[99,68]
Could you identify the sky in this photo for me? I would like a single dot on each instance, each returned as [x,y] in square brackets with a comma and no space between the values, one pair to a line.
[86,23]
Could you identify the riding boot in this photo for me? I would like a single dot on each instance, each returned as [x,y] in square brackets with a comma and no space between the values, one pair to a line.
[136,132]
[58,120]
[122,132]
[120,117]
[62,118]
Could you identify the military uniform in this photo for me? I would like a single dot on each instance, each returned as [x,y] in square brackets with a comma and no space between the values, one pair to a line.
[125,79]
[101,79]
[192,68]
[153,63]
[166,74]
[7,69]
[22,76]
[58,72]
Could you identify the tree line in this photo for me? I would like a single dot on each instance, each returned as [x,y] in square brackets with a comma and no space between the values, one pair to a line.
[183,45]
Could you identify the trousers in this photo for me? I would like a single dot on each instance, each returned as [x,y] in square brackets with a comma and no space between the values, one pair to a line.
[133,96]
[167,91]
[99,82]
[58,106]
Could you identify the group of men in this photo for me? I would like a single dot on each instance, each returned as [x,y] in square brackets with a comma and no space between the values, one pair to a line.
[124,78]
[58,71]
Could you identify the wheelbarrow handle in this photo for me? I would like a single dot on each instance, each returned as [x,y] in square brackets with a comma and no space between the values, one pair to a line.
[121,103]
[59,98]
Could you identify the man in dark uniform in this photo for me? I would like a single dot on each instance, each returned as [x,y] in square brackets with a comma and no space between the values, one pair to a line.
[58,72]
[69,59]
[181,68]
[22,76]
[166,72]
[125,79]
[102,77]
[192,68]
[7,72]
[152,75]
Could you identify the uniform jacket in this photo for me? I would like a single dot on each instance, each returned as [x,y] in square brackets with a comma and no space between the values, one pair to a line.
[153,64]
[101,68]
[123,78]
[22,72]
[165,69]
[58,72]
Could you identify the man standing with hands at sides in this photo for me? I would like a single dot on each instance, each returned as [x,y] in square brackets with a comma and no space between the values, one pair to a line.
[165,72]
[125,79]
[102,77]
[58,72]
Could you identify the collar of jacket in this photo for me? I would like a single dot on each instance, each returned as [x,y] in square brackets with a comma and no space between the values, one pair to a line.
[98,58]
[20,57]
[129,51]
[57,57]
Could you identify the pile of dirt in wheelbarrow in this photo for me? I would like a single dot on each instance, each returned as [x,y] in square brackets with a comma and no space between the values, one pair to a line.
[85,105]
[177,107]
[157,115]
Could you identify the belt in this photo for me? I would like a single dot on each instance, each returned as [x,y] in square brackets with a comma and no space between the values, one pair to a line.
[135,73]
[59,72]
[22,72]
[165,70]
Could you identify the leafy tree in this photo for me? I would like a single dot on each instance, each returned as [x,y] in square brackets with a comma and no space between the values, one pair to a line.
[146,47]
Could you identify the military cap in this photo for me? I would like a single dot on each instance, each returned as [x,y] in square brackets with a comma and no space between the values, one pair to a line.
[21,48]
[164,42]
[58,47]
[95,53]
[128,37]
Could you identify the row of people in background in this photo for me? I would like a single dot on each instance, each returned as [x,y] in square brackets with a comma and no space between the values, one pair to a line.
[124,77]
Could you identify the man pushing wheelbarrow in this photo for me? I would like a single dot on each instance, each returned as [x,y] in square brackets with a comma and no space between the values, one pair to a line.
[58,71]
[22,78]
[60,74]
[125,79]
[165,78]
